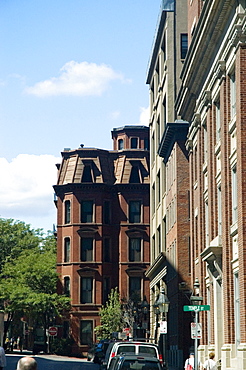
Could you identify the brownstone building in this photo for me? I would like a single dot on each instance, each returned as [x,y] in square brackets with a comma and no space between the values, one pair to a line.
[103,227]
[212,100]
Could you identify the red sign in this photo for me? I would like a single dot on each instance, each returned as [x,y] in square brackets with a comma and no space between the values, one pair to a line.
[53,330]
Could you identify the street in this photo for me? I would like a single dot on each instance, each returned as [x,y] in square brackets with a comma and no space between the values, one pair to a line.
[52,362]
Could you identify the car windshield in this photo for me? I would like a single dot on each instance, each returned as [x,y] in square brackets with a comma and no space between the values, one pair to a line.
[151,351]
[126,349]
[140,365]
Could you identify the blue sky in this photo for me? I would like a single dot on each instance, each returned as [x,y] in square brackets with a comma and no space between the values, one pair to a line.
[70,71]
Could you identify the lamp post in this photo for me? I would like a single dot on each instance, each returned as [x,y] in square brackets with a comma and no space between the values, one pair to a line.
[163,306]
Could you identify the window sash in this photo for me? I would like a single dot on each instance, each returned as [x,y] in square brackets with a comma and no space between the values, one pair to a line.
[87,211]
[135,211]
[86,290]
[135,249]
[67,250]
[86,249]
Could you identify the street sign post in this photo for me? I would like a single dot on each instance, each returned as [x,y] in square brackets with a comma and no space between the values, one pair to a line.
[205,307]
[196,309]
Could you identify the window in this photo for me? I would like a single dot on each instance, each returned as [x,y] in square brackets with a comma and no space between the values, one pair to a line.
[87,174]
[86,289]
[135,175]
[233,94]
[65,331]
[67,212]
[168,5]
[183,45]
[237,309]
[135,249]
[87,211]
[106,250]
[106,212]
[206,224]
[67,286]
[134,143]
[106,289]
[146,143]
[234,194]
[120,144]
[217,119]
[135,288]
[135,211]
[219,212]
[205,143]
[86,249]
[66,249]
[86,332]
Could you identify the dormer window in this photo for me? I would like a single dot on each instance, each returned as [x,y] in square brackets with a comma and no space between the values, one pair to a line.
[134,143]
[120,144]
[87,174]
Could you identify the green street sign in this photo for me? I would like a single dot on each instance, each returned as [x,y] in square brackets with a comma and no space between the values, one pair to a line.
[205,307]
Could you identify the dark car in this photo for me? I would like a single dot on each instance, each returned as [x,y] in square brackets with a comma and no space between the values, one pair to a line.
[98,351]
[134,362]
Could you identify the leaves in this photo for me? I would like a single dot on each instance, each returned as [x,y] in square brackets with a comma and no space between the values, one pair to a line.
[111,316]
[28,280]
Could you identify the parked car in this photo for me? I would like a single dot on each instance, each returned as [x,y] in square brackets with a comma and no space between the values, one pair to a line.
[134,362]
[130,347]
[97,352]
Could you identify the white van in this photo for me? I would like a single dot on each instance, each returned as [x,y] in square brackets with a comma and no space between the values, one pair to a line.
[134,348]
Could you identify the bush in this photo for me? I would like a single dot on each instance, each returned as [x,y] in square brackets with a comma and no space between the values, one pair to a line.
[61,346]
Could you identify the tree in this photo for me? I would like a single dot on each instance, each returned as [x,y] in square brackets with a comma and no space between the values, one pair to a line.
[28,282]
[111,316]
[16,236]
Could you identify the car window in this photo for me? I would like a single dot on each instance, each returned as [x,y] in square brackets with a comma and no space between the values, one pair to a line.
[149,350]
[126,349]
[140,365]
[113,363]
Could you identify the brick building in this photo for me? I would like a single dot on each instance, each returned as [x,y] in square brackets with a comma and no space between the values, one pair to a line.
[212,100]
[169,173]
[103,227]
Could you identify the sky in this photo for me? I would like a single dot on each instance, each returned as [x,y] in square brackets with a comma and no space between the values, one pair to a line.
[70,72]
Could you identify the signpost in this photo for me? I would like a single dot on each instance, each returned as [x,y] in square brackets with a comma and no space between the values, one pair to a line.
[52,330]
[196,334]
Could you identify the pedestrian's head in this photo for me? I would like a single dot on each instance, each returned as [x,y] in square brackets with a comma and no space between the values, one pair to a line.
[191,354]
[211,355]
[27,363]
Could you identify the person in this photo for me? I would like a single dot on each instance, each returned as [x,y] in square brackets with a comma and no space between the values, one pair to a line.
[210,364]
[189,363]
[2,358]
[27,363]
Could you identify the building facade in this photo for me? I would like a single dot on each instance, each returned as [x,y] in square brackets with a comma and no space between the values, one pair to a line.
[103,228]
[212,100]
[169,188]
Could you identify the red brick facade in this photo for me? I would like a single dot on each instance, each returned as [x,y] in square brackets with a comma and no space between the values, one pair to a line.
[96,226]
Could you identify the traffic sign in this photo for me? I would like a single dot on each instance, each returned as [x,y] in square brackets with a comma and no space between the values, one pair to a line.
[163,327]
[196,330]
[53,330]
[205,307]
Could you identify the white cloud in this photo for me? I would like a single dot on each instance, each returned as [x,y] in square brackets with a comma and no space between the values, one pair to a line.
[78,79]
[144,116]
[26,191]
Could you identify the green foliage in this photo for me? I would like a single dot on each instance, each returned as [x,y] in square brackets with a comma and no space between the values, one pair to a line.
[61,346]
[111,316]
[16,236]
[28,279]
